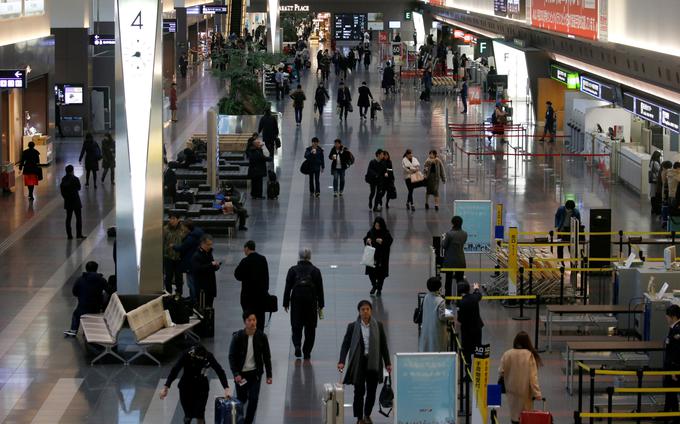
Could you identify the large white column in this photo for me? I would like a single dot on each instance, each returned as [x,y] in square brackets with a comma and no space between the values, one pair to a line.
[273,10]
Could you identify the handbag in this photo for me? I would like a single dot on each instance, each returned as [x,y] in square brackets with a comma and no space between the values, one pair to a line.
[271,303]
[386,399]
[368,259]
[278,142]
[306,167]
[501,383]
[417,177]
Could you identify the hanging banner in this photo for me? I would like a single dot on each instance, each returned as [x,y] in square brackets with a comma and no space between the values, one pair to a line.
[425,388]
[573,17]
[477,222]
[513,235]
[480,375]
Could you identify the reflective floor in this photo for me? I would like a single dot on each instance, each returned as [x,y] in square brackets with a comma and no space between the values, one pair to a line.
[46,378]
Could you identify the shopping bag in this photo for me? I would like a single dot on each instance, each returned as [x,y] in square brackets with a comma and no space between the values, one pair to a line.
[368,258]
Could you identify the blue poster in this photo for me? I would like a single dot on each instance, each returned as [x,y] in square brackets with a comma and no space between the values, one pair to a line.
[477,217]
[425,388]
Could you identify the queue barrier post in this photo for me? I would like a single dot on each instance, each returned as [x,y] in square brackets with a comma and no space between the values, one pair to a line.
[580,389]
[562,286]
[537,320]
[521,316]
[584,281]
[531,275]
[468,413]
[640,374]
[551,239]
[592,393]
[620,243]
[610,402]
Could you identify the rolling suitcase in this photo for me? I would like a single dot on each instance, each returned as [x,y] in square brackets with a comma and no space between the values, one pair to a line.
[228,411]
[674,223]
[536,417]
[273,186]
[333,403]
[206,328]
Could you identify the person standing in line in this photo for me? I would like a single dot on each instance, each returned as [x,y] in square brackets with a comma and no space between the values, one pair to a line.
[173,234]
[69,187]
[379,237]
[204,266]
[186,249]
[344,100]
[549,122]
[320,98]
[519,370]
[454,253]
[434,331]
[253,273]
[427,84]
[470,320]
[434,173]
[109,157]
[314,154]
[249,358]
[92,154]
[375,175]
[173,102]
[388,182]
[30,167]
[299,98]
[341,159]
[464,94]
[498,121]
[365,98]
[671,357]
[89,289]
[655,181]
[563,217]
[387,82]
[257,167]
[304,295]
[193,385]
[269,129]
[410,166]
[364,349]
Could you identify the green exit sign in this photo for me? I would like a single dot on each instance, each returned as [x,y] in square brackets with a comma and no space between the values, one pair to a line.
[408,15]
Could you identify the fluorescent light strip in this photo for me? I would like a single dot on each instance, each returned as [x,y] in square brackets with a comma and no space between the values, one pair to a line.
[467,27]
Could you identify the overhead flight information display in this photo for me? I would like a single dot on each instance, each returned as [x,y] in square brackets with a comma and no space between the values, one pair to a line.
[350,26]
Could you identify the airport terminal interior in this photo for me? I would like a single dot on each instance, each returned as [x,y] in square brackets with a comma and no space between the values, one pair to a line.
[549,128]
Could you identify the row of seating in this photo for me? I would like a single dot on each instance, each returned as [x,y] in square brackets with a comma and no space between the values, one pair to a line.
[149,323]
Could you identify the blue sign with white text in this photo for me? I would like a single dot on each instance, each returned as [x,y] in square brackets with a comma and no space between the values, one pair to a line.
[476,216]
[425,388]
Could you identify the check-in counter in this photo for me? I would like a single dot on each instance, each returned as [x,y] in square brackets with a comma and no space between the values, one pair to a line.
[631,283]
[634,168]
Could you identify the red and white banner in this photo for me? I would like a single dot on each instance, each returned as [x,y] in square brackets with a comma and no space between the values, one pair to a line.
[574,17]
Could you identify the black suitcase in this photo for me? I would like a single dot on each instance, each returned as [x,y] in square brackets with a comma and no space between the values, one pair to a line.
[273,186]
[206,328]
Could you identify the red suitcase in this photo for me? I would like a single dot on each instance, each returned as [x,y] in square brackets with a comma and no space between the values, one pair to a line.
[536,417]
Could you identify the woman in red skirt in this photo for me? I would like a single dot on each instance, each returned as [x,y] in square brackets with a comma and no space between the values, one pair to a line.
[30,165]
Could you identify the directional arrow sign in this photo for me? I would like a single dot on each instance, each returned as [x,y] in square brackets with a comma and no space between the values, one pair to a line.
[12,78]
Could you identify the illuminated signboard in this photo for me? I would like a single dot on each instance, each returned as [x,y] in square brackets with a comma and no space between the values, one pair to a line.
[350,26]
[102,40]
[566,77]
[652,112]
[12,78]
[169,25]
[294,8]
[214,10]
[600,90]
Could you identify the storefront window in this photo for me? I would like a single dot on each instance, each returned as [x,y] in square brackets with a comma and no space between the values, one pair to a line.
[34,7]
[10,8]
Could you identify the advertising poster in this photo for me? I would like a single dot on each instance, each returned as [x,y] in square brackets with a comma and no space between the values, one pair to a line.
[574,17]
[477,221]
[425,388]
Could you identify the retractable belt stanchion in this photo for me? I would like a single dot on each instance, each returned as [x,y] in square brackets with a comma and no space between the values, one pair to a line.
[538,318]
[592,393]
[610,402]
[521,316]
[531,275]
[562,285]
[640,374]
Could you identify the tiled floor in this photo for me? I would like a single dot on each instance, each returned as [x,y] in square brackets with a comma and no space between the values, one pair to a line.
[46,378]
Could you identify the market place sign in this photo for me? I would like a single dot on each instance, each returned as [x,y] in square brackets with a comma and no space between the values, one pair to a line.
[294,8]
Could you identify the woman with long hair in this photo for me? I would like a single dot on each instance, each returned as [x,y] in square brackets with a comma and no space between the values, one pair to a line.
[380,238]
[519,370]
[410,166]
[29,165]
[434,173]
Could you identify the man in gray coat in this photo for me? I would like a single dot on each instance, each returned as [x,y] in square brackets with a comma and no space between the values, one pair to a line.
[365,345]
[454,254]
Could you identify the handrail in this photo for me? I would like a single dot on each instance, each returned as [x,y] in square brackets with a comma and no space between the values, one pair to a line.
[475,269]
[647,390]
[629,414]
[626,372]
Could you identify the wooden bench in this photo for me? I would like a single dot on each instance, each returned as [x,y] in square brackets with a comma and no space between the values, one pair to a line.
[227,142]
[103,329]
[151,328]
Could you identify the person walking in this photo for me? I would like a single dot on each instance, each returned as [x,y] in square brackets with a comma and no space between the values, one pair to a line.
[470,320]
[320,98]
[204,266]
[173,102]
[434,173]
[344,100]
[671,357]
[253,273]
[519,371]
[434,329]
[375,175]
[186,249]
[387,82]
[69,187]
[194,386]
[549,122]
[380,239]
[314,155]
[411,168]
[427,84]
[183,65]
[299,98]
[367,59]
[29,165]
[89,288]
[278,80]
[173,234]
[92,154]
[269,129]
[341,159]
[304,296]
[388,182]
[364,350]
[109,157]
[454,253]
[563,217]
[464,94]
[257,167]
[365,99]
[249,358]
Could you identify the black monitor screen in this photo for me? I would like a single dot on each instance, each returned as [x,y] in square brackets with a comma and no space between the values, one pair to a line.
[350,26]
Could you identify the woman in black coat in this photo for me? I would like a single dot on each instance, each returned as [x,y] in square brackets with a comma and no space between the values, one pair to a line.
[92,154]
[388,182]
[380,238]
[320,98]
[257,168]
[193,385]
[365,98]
[30,166]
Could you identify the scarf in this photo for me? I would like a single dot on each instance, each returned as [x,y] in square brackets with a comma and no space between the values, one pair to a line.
[374,357]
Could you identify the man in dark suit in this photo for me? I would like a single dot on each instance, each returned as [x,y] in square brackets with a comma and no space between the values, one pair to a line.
[253,273]
[269,129]
[470,320]
[203,267]
[671,358]
[70,186]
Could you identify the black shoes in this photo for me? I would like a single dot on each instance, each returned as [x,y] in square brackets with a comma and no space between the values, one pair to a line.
[427,206]
[373,290]
[243,228]
[298,352]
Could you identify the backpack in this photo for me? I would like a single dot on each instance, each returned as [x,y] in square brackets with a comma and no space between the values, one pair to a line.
[350,158]
[303,291]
